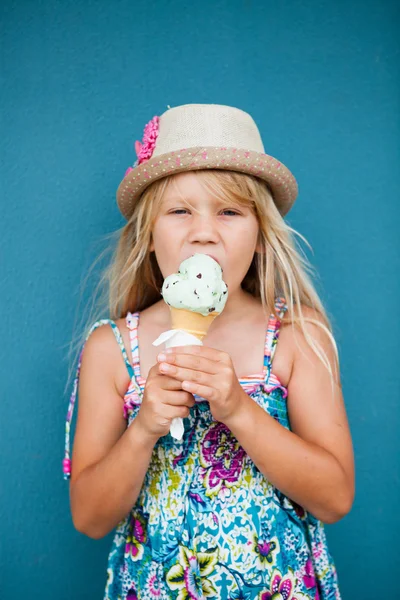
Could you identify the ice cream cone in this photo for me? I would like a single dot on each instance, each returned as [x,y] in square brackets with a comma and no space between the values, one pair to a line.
[192,322]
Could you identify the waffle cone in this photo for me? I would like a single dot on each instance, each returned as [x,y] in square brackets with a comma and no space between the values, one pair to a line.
[192,322]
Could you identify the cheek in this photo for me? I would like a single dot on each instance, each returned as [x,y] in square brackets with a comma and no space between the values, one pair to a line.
[245,241]
[242,249]
[162,235]
[165,244]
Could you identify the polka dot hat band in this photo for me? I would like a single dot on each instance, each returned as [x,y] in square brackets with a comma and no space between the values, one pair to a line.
[203,136]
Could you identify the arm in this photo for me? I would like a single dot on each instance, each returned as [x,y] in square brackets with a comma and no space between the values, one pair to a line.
[313,464]
[109,461]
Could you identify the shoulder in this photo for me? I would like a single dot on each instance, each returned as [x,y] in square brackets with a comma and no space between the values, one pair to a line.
[311,339]
[100,343]
[311,322]
[102,353]
[100,340]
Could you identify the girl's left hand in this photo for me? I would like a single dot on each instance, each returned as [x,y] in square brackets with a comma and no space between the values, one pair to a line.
[209,373]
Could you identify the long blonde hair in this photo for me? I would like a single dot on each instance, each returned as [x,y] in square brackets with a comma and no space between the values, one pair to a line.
[132,280]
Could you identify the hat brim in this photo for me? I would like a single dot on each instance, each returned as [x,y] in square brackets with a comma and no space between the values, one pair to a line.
[281,181]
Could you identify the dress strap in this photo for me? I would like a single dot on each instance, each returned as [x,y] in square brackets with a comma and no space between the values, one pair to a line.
[272,336]
[132,322]
[121,344]
[72,401]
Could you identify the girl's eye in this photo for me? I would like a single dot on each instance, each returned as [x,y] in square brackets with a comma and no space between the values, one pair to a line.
[232,213]
[183,210]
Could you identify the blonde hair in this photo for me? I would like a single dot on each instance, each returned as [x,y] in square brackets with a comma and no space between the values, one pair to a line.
[132,280]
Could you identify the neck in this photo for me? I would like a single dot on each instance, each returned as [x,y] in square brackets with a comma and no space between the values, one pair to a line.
[238,305]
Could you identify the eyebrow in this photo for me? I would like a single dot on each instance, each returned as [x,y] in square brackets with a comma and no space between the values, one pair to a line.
[190,200]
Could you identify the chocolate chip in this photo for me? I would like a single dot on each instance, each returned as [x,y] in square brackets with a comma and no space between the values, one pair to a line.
[167,286]
[225,293]
[199,276]
[211,309]
[195,293]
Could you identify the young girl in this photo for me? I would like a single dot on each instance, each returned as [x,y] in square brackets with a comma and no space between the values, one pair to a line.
[235,510]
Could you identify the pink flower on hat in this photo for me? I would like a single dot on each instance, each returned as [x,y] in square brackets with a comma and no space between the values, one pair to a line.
[145,149]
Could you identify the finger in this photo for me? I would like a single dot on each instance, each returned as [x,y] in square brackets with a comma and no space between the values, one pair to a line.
[204,351]
[174,412]
[182,374]
[182,398]
[204,391]
[189,361]
[167,383]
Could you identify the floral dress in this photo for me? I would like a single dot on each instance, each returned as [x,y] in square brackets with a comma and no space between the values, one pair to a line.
[207,522]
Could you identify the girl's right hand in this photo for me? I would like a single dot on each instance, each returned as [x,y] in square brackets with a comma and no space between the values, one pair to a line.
[163,401]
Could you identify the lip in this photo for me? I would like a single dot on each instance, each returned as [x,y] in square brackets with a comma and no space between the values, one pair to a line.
[206,254]
[214,257]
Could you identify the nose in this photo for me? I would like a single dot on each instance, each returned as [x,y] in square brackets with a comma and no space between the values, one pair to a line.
[203,230]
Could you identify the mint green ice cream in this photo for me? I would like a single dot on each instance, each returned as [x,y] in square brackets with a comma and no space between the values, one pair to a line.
[198,286]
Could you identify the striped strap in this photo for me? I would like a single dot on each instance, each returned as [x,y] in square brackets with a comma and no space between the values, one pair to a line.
[132,320]
[272,336]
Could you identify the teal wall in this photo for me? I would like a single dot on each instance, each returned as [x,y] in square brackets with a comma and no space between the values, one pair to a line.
[79,80]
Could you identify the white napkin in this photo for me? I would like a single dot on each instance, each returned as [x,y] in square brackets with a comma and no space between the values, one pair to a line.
[171,338]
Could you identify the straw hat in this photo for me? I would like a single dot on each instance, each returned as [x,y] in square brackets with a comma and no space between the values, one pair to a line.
[203,136]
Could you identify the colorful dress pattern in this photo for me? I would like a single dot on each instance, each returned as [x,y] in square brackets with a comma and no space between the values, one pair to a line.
[207,523]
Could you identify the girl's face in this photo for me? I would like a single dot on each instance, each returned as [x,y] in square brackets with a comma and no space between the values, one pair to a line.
[191,220]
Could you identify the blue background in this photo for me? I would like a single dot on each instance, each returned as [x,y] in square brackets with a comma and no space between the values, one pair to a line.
[79,80]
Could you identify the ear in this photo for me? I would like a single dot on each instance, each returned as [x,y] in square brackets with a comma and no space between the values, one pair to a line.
[151,247]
